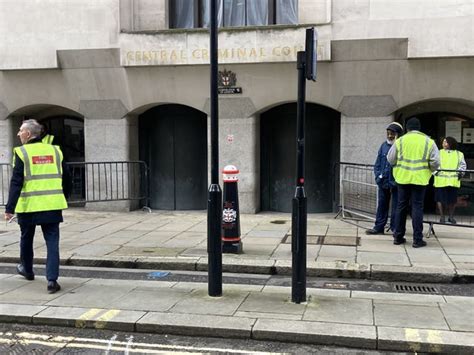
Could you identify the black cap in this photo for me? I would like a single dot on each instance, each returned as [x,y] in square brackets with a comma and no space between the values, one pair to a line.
[413,124]
[395,127]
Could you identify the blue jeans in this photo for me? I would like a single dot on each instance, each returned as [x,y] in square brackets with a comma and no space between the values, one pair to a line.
[383,204]
[51,236]
[415,194]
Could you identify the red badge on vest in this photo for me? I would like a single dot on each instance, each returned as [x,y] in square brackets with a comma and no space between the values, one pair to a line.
[43,159]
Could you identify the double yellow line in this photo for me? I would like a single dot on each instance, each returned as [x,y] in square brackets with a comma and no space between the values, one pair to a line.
[99,316]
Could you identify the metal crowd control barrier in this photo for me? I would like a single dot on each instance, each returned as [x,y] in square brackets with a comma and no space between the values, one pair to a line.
[358,196]
[357,191]
[5,171]
[99,182]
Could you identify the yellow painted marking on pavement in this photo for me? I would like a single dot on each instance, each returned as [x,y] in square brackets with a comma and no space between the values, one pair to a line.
[81,321]
[101,322]
[413,336]
[435,340]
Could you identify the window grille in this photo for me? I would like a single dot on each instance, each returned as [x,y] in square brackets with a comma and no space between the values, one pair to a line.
[231,13]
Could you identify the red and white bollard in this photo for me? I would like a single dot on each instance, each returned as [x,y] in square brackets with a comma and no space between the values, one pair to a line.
[231,242]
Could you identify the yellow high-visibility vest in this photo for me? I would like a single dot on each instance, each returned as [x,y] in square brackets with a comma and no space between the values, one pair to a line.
[412,165]
[42,186]
[48,139]
[449,160]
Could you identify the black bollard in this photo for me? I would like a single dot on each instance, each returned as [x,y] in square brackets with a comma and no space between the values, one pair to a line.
[231,242]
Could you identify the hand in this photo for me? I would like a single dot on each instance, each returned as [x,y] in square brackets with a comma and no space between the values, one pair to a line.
[8,216]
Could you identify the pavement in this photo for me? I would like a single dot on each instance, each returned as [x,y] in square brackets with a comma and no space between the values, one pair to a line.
[167,240]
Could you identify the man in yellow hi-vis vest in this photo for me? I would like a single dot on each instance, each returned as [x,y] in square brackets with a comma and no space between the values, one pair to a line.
[414,157]
[39,184]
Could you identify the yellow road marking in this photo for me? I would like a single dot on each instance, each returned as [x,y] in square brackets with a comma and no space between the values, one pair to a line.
[413,336]
[435,340]
[81,321]
[101,322]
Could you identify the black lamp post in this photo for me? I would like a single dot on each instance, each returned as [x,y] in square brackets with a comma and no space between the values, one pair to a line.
[306,65]
[214,202]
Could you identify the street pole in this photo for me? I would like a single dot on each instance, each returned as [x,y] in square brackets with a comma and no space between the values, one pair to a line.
[299,212]
[214,202]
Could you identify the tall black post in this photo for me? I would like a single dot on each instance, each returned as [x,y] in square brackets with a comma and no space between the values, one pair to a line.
[214,202]
[299,213]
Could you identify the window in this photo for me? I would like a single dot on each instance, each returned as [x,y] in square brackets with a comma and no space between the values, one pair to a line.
[196,13]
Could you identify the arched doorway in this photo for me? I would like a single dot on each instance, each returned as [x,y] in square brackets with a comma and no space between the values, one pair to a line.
[67,127]
[441,118]
[173,142]
[278,157]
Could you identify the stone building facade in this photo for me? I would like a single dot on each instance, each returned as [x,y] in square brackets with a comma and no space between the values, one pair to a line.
[114,81]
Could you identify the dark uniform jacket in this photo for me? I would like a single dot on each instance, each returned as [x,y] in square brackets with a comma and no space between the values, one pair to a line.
[382,168]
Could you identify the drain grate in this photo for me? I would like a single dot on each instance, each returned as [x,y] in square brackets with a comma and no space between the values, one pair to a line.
[406,288]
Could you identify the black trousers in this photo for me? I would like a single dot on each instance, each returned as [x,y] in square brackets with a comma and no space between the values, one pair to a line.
[51,237]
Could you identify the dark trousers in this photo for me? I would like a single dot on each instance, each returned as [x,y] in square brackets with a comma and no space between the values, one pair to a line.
[383,205]
[415,194]
[51,237]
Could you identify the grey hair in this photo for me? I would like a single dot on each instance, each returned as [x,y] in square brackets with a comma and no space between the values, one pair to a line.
[33,127]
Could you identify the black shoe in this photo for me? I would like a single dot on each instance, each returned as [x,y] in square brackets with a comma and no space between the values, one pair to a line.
[53,287]
[452,220]
[21,270]
[373,232]
[398,241]
[419,244]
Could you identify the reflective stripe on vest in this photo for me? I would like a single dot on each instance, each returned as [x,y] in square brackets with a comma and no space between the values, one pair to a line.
[412,165]
[42,185]
[448,161]
[48,139]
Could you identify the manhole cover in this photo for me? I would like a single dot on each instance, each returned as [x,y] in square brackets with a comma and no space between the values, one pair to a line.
[407,288]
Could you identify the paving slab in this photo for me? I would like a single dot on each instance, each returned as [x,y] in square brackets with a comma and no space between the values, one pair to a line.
[413,316]
[196,325]
[98,318]
[198,302]
[381,258]
[13,313]
[151,299]
[429,257]
[361,336]
[271,303]
[425,340]
[399,297]
[34,292]
[92,295]
[459,317]
[339,310]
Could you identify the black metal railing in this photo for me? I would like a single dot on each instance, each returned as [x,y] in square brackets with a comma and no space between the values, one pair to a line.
[98,182]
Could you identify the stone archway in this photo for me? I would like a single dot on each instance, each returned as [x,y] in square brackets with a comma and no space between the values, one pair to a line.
[278,157]
[173,142]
